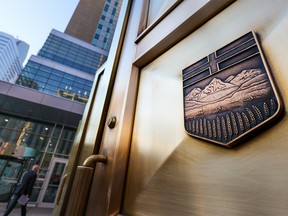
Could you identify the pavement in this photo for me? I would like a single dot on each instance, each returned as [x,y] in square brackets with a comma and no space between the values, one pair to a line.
[31,211]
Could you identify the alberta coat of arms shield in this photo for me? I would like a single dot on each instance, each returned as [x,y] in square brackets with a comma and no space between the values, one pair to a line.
[229,93]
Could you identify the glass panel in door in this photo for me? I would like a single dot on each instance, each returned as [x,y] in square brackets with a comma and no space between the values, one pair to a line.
[10,170]
[52,182]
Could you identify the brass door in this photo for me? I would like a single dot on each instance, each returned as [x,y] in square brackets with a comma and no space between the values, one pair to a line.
[154,167]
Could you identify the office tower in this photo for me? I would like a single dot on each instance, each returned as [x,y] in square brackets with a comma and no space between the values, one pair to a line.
[107,24]
[65,66]
[12,55]
[85,19]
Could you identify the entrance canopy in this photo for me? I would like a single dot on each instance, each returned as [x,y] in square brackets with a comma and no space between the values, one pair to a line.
[26,102]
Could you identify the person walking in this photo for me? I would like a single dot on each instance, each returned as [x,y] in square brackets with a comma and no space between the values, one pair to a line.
[24,188]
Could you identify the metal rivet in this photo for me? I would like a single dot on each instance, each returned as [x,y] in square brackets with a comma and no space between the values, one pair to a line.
[111,122]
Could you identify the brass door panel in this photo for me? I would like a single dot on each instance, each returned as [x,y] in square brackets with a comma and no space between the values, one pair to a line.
[170,173]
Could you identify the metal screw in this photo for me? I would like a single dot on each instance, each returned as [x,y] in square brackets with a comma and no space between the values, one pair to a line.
[111,122]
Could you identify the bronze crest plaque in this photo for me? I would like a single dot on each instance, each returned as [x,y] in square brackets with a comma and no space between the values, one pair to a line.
[229,93]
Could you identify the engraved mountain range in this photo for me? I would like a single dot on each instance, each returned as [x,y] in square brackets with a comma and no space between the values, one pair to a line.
[235,91]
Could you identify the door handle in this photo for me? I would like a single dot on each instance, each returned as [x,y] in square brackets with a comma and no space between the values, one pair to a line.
[93,159]
[81,186]
[61,188]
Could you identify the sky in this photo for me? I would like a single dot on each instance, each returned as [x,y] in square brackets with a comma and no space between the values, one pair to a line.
[32,20]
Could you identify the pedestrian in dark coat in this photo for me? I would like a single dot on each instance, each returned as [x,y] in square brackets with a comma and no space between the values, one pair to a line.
[24,188]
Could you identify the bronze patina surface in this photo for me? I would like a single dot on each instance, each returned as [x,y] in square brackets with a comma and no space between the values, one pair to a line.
[229,93]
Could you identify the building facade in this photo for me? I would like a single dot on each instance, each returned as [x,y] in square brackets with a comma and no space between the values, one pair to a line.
[35,128]
[65,66]
[146,164]
[51,94]
[38,142]
[107,23]
[85,19]
[12,55]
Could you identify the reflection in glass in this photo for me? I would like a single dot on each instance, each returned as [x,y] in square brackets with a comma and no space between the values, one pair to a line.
[57,131]
[10,122]
[39,128]
[46,161]
[64,147]
[157,8]
[34,195]
[36,141]
[10,172]
[54,183]
[40,178]
[9,136]
[52,144]
[68,134]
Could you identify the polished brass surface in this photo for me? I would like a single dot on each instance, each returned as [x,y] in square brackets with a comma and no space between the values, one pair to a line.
[171,173]
[108,180]
[80,191]
[112,122]
[89,134]
[81,186]
[144,16]
[91,160]
[186,18]
[83,144]
[145,26]
[63,181]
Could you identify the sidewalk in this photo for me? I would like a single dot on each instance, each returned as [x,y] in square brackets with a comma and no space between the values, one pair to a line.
[31,211]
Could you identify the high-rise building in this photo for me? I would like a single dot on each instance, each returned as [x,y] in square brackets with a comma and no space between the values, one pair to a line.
[65,66]
[12,55]
[85,19]
[107,24]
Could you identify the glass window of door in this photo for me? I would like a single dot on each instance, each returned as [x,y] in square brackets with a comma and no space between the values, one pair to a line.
[52,182]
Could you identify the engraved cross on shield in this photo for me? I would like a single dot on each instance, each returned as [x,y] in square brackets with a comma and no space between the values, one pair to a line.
[229,93]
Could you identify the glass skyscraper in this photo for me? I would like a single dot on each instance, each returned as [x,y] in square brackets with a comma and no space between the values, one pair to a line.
[65,66]
[12,55]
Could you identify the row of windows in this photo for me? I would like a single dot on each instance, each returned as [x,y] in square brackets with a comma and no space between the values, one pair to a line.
[72,64]
[53,47]
[109,20]
[53,87]
[35,141]
[46,80]
[8,124]
[105,31]
[70,54]
[106,9]
[67,45]
[78,59]
[34,68]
